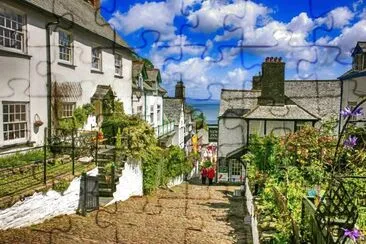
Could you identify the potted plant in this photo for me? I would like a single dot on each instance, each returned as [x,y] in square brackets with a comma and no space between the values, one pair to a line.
[108,170]
[37,121]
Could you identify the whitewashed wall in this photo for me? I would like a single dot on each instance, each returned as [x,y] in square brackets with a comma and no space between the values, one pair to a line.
[24,75]
[251,211]
[353,91]
[232,135]
[152,100]
[39,207]
[130,183]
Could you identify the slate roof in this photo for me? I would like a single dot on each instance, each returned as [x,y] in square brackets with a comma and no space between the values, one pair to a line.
[319,97]
[350,74]
[235,113]
[137,67]
[80,13]
[101,91]
[153,74]
[286,112]
[172,108]
[238,99]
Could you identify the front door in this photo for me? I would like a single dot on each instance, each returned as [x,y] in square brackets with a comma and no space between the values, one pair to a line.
[235,170]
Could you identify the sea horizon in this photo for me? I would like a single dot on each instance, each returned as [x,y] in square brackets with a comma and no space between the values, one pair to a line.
[210,108]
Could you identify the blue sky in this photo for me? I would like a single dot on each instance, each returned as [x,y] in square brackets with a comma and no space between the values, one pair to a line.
[221,43]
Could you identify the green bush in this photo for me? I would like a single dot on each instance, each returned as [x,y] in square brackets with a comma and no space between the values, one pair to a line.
[21,158]
[61,185]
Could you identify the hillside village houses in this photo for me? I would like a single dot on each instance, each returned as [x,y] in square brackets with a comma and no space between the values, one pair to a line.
[273,105]
[64,50]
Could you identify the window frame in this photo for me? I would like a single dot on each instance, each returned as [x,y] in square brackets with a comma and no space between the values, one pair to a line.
[8,10]
[26,122]
[152,114]
[158,113]
[73,106]
[299,124]
[118,57]
[70,47]
[99,59]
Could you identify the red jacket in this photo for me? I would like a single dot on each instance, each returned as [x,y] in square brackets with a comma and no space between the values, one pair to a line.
[211,173]
[204,172]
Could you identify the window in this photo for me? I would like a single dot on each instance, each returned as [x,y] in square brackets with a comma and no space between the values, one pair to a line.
[14,120]
[301,124]
[358,62]
[68,110]
[236,167]
[158,112]
[152,114]
[65,46]
[118,64]
[97,58]
[11,30]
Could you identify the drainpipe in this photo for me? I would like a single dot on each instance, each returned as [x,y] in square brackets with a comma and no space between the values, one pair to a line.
[49,77]
[340,109]
[145,104]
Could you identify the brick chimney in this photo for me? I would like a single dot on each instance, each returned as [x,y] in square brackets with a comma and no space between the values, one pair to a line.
[180,90]
[272,82]
[94,3]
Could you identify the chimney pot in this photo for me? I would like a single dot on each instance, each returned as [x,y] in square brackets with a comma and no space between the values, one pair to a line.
[267,59]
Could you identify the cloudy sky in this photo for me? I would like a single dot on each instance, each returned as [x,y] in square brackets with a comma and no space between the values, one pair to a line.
[222,43]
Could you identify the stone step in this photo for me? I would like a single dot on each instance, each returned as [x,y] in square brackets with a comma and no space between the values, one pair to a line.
[105,192]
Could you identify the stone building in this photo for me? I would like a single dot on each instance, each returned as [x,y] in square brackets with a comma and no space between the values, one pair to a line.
[273,105]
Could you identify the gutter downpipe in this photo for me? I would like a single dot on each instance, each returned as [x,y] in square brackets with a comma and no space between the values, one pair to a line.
[340,109]
[49,77]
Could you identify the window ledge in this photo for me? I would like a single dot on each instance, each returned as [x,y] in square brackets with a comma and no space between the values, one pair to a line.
[118,76]
[13,53]
[66,64]
[96,71]
[20,145]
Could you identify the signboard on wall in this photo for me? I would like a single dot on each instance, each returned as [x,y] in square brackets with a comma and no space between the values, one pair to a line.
[213,134]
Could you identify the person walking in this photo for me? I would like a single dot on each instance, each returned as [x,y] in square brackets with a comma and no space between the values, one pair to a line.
[203,175]
[210,175]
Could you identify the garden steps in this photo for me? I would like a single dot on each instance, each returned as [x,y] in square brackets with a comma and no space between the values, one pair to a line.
[106,156]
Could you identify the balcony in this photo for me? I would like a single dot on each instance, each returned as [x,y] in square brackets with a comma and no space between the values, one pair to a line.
[163,130]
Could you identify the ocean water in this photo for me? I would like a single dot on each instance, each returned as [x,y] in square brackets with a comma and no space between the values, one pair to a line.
[210,110]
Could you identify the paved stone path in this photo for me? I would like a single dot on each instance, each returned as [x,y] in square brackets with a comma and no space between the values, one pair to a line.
[188,213]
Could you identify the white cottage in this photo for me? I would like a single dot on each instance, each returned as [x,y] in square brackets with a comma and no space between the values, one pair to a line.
[47,44]
[354,83]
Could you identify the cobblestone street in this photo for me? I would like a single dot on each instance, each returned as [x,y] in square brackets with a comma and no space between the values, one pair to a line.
[188,213]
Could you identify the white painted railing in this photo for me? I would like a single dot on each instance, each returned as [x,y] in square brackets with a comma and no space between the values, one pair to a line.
[164,129]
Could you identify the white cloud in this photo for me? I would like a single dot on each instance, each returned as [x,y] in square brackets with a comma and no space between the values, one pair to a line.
[337,18]
[215,14]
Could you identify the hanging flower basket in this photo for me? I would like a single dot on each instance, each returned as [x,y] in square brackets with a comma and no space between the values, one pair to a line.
[38,123]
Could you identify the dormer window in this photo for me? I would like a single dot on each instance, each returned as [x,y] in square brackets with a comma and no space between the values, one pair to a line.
[359,61]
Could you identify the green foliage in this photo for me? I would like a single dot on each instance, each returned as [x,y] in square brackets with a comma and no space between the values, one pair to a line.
[78,119]
[61,185]
[290,164]
[108,168]
[207,164]
[21,158]
[161,165]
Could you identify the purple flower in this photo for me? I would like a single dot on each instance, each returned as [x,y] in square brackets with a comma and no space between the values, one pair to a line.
[350,142]
[347,111]
[358,112]
[354,234]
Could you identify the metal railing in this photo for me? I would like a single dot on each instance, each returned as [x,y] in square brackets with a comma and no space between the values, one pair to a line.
[164,129]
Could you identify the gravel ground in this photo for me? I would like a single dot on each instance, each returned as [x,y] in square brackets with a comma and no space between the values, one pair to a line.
[188,213]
